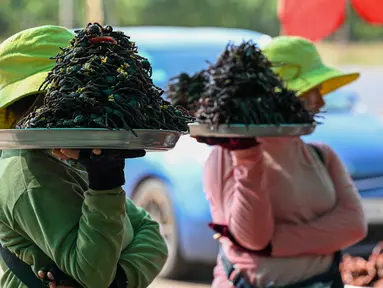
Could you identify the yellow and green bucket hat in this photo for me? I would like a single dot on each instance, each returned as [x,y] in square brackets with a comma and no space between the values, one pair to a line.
[298,62]
[25,60]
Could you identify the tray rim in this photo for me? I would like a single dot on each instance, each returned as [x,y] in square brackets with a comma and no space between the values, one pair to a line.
[110,139]
[243,130]
[91,130]
[314,124]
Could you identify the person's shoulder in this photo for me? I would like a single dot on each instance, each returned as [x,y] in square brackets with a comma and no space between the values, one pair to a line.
[323,146]
[13,165]
[218,153]
[14,183]
[215,151]
[36,175]
[324,149]
[23,170]
[20,167]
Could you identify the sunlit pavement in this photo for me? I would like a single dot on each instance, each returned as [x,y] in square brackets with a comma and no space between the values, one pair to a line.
[170,284]
[161,283]
[175,284]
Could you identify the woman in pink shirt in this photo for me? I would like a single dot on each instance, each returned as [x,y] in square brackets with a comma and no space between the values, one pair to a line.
[283,208]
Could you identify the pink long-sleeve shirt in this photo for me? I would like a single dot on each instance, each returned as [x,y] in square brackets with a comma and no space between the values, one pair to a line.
[281,192]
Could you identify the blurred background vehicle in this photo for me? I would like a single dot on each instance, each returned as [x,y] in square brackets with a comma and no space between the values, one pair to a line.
[169,185]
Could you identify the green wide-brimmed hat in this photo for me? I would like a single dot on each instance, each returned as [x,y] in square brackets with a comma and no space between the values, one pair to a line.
[298,62]
[25,60]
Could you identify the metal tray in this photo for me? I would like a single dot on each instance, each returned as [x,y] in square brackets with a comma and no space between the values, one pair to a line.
[150,140]
[241,130]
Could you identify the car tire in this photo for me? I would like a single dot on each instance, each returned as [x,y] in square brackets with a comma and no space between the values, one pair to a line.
[152,195]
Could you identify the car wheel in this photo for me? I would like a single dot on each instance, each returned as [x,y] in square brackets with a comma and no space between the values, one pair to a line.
[152,195]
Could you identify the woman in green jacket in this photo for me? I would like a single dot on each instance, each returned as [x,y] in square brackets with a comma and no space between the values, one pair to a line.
[55,215]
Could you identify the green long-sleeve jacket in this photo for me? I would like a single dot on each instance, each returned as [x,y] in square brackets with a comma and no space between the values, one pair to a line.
[48,213]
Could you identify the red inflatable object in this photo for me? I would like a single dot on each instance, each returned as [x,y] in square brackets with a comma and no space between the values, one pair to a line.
[371,10]
[317,19]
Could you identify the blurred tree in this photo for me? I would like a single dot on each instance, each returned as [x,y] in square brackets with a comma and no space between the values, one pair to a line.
[23,14]
[80,13]
[259,15]
[363,31]
[251,14]
[111,12]
[66,13]
[95,11]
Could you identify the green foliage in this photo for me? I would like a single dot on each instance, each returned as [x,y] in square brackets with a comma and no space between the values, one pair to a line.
[16,15]
[259,15]
[251,14]
[363,31]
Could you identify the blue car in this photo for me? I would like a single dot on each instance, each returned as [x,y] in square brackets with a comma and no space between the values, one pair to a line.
[169,184]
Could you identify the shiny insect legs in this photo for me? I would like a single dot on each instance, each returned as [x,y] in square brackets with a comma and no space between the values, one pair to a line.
[100,81]
[240,88]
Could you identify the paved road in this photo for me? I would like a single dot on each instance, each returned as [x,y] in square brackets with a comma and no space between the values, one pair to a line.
[160,283]
[174,284]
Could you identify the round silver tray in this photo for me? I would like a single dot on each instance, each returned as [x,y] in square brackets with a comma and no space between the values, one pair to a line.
[241,130]
[149,140]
